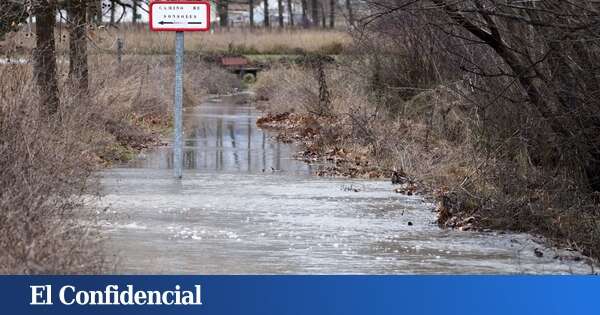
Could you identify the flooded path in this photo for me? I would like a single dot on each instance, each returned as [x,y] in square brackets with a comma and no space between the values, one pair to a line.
[246,207]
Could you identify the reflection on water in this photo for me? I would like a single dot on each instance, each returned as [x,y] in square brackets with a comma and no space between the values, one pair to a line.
[225,138]
[227,216]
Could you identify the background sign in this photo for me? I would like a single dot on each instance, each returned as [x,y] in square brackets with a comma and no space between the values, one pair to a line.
[179,16]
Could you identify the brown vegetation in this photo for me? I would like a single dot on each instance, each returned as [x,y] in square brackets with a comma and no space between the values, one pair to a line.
[45,168]
[526,84]
[47,165]
[136,99]
[490,106]
[70,106]
[138,40]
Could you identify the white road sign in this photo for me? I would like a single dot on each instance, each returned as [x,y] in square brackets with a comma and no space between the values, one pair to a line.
[179,16]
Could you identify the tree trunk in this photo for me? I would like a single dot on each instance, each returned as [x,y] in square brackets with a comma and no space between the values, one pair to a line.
[280,12]
[592,169]
[78,63]
[266,13]
[223,11]
[99,11]
[324,95]
[44,67]
[290,13]
[304,5]
[134,11]
[332,13]
[350,12]
[523,72]
[323,15]
[315,13]
[112,12]
[251,12]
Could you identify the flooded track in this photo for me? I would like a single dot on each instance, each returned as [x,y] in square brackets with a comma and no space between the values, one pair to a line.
[245,206]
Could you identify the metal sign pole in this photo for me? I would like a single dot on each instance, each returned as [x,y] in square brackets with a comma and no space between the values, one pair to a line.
[178,141]
[179,17]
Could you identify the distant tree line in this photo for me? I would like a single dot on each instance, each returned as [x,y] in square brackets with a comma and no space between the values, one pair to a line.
[313,13]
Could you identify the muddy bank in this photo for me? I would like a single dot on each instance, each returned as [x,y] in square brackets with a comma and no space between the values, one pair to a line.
[453,210]
[338,161]
[307,130]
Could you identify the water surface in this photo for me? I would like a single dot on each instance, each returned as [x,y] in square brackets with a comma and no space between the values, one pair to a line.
[245,206]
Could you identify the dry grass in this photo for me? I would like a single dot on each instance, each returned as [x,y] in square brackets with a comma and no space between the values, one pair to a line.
[359,126]
[139,40]
[47,166]
[45,169]
[287,89]
[137,98]
[433,138]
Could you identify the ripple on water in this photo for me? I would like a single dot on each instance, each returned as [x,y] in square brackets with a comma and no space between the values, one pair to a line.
[228,216]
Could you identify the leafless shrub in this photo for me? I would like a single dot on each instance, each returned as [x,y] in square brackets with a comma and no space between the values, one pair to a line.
[45,171]
[12,13]
[287,89]
[209,78]
[48,162]
[524,103]
[490,102]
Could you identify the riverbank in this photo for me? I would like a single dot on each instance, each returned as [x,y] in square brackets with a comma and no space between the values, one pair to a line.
[352,162]
[142,98]
[49,166]
[246,206]
[426,149]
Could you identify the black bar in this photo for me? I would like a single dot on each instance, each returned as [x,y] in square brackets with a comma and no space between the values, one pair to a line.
[163,22]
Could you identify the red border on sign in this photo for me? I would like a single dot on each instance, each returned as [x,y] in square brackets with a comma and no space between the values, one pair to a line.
[199,29]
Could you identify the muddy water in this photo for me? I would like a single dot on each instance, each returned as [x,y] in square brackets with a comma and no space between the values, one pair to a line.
[245,207]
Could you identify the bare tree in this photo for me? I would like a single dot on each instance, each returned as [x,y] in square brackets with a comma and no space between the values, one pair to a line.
[323,15]
[44,67]
[96,8]
[134,11]
[112,12]
[290,12]
[251,12]
[332,4]
[304,5]
[123,11]
[549,79]
[78,63]
[266,13]
[280,12]
[350,12]
[538,54]
[314,6]
[223,11]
